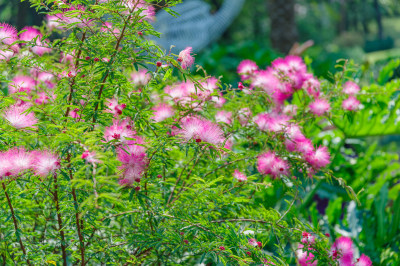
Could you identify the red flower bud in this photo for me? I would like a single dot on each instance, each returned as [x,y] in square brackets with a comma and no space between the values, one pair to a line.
[87,57]
[158,64]
[248,253]
[159,176]
[222,248]
[137,188]
[140,33]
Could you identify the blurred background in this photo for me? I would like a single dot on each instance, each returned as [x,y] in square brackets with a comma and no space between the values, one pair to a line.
[367,31]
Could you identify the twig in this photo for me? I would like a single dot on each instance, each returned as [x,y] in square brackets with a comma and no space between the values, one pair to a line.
[59,220]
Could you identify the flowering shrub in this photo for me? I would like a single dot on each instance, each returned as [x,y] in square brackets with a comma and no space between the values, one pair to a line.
[115,151]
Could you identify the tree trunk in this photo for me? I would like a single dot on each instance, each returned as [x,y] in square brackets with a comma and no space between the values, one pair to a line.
[283,25]
[378,17]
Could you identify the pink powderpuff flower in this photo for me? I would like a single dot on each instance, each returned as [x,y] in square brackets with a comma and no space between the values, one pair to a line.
[296,64]
[140,78]
[304,146]
[320,107]
[253,242]
[244,116]
[41,48]
[113,107]
[319,158]
[21,84]
[45,163]
[6,168]
[21,160]
[8,34]
[290,110]
[343,248]
[292,136]
[363,261]
[30,34]
[53,22]
[241,178]
[6,55]
[67,58]
[224,117]
[185,58]
[200,129]
[270,164]
[229,143]
[351,104]
[42,98]
[265,80]
[351,88]
[90,157]
[312,86]
[305,256]
[134,161]
[108,27]
[162,112]
[273,122]
[246,69]
[119,130]
[219,100]
[16,116]
[307,238]
[47,79]
[74,113]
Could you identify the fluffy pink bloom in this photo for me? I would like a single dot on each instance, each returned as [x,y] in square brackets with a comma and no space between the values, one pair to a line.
[240,177]
[296,64]
[41,48]
[140,78]
[21,160]
[6,54]
[312,86]
[270,164]
[200,129]
[119,130]
[320,107]
[304,146]
[219,100]
[351,88]
[224,117]
[319,158]
[185,58]
[305,256]
[246,69]
[53,22]
[271,122]
[363,261]
[8,34]
[30,34]
[292,136]
[67,58]
[133,159]
[290,109]
[6,167]
[43,98]
[307,238]
[74,16]
[351,104]
[74,113]
[343,247]
[45,163]
[21,83]
[162,112]
[17,118]
[113,107]
[89,156]
[253,242]
[244,116]
[108,27]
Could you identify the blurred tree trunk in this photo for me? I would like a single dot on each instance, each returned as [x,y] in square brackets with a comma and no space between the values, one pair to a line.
[344,21]
[283,24]
[378,17]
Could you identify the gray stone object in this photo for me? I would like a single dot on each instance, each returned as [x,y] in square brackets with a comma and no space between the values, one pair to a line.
[196,26]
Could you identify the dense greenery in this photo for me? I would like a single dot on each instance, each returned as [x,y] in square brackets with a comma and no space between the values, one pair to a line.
[114,151]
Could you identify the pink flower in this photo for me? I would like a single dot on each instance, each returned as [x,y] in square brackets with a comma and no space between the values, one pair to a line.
[21,83]
[319,158]
[307,238]
[218,100]
[43,98]
[89,157]
[320,107]
[8,34]
[41,48]
[6,166]
[244,115]
[343,247]
[224,117]
[162,112]
[290,109]
[273,122]
[108,27]
[53,22]
[200,129]
[304,146]
[21,160]
[119,130]
[239,176]
[134,161]
[363,261]
[74,113]
[113,107]
[305,256]
[351,88]
[351,103]
[253,242]
[140,78]
[30,34]
[269,163]
[185,58]
[17,118]
[6,55]
[246,69]
[45,163]
[312,86]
